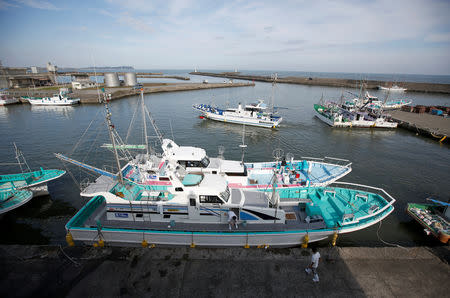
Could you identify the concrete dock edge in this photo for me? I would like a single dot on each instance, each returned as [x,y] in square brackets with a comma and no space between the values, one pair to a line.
[200,272]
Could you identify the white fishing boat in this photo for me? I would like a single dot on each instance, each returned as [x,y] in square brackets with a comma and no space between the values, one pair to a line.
[195,208]
[59,99]
[257,175]
[6,98]
[194,212]
[254,114]
[389,105]
[335,116]
[394,88]
[150,169]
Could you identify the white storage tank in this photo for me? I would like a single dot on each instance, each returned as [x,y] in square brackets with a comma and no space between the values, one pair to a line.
[112,79]
[130,79]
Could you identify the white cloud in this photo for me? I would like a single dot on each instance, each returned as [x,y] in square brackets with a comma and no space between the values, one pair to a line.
[5,5]
[133,22]
[263,34]
[438,37]
[39,4]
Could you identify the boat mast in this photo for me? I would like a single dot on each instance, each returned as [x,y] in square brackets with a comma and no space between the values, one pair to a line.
[243,146]
[19,156]
[274,80]
[144,121]
[111,135]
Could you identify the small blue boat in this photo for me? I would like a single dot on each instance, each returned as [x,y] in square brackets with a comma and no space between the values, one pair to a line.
[10,200]
[28,180]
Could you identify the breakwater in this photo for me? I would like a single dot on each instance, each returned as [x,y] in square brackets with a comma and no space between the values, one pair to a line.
[90,95]
[331,82]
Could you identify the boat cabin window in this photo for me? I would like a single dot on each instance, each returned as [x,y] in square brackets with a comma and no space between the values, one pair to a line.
[205,161]
[244,173]
[225,195]
[195,163]
[178,189]
[210,199]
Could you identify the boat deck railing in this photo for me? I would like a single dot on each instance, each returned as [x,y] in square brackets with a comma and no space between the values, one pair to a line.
[330,160]
[365,188]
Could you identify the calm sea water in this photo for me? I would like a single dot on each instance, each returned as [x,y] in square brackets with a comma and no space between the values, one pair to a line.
[409,167]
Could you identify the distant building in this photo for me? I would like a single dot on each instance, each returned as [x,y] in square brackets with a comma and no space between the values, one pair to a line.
[17,77]
[82,81]
[82,85]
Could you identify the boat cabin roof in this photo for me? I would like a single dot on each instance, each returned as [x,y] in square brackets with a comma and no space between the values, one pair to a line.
[260,105]
[175,152]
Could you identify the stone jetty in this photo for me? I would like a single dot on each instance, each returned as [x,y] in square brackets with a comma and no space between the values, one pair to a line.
[90,95]
[331,82]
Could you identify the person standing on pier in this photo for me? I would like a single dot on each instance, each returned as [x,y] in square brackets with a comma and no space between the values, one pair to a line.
[232,219]
[314,264]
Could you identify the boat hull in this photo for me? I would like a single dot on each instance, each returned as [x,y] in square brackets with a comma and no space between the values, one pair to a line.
[235,238]
[43,102]
[378,123]
[246,121]
[441,235]
[9,101]
[397,89]
[127,232]
[14,199]
[330,121]
[252,119]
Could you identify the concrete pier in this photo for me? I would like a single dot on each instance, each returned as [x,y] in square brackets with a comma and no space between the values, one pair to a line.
[433,126]
[52,271]
[346,83]
[90,95]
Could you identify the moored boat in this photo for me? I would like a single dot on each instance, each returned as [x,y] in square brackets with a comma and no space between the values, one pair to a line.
[335,116]
[394,88]
[254,114]
[6,98]
[435,218]
[59,99]
[35,181]
[13,199]
[150,168]
[194,212]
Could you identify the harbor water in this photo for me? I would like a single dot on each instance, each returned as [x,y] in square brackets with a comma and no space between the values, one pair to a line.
[409,167]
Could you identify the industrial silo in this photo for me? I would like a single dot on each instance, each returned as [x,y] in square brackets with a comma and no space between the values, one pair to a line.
[130,79]
[112,79]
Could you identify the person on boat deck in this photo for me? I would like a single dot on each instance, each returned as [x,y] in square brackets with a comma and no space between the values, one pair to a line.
[314,264]
[232,219]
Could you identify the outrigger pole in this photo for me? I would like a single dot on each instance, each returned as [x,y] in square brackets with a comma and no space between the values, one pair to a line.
[110,130]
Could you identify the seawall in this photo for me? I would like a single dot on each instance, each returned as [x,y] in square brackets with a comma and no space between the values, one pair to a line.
[90,95]
[345,83]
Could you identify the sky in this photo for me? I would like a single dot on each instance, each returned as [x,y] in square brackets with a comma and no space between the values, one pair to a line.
[380,36]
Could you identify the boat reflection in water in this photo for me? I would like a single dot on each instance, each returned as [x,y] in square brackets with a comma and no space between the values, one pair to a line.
[65,111]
